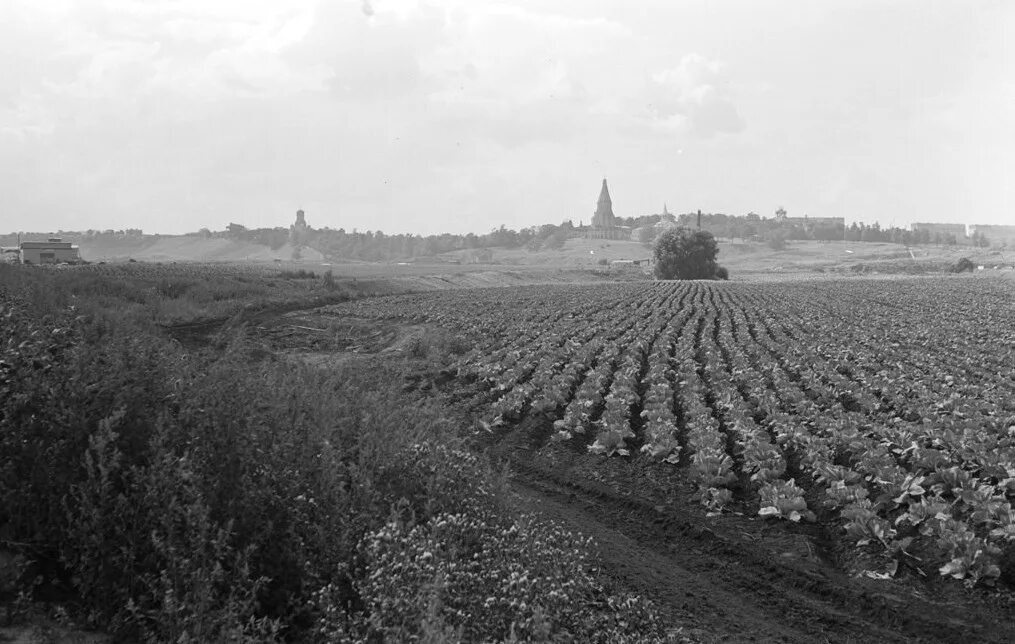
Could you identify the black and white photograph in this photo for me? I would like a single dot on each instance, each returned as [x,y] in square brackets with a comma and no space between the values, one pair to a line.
[505,321]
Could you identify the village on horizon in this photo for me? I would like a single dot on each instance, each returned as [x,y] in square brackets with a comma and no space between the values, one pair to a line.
[63,246]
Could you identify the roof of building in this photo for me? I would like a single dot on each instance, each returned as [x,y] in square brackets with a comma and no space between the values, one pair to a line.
[46,244]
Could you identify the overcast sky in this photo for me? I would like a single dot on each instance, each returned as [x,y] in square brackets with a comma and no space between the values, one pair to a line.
[420,116]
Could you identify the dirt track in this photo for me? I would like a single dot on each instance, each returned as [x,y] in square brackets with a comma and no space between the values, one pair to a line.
[741,579]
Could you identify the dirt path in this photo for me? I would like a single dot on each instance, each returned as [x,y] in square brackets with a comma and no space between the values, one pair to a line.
[731,582]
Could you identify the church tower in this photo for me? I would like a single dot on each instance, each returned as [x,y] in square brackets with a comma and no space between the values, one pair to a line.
[604,218]
[298,231]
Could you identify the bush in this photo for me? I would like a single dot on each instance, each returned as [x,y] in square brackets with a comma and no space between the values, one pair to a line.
[194,582]
[964,265]
[681,253]
[436,345]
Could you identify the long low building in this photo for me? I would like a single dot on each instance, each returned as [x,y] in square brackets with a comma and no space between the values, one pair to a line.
[52,251]
[995,233]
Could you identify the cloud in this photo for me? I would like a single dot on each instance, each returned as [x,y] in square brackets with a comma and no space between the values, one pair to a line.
[695,98]
[516,76]
[429,115]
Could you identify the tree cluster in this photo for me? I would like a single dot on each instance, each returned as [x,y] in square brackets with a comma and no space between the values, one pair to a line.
[682,253]
[377,246]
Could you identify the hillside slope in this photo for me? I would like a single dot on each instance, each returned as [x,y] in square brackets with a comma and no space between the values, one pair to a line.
[188,249]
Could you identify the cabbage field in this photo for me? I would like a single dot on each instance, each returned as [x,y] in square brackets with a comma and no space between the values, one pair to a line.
[883,410]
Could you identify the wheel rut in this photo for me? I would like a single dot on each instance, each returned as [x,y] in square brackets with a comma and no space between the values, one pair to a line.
[720,576]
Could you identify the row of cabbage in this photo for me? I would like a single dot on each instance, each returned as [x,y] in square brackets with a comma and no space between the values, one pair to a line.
[902,440]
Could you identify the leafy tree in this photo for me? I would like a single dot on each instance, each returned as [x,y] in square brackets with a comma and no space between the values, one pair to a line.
[682,253]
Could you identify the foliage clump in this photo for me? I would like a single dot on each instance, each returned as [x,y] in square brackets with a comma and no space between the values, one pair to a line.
[964,265]
[682,253]
[471,576]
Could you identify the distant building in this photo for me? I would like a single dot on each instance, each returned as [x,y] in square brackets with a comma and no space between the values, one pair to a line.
[604,222]
[666,221]
[298,231]
[52,251]
[994,233]
[666,217]
[810,224]
[646,234]
[959,230]
[604,217]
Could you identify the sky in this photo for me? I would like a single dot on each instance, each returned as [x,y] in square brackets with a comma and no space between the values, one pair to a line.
[461,116]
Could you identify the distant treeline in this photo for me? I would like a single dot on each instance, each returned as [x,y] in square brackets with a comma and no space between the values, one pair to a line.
[378,246]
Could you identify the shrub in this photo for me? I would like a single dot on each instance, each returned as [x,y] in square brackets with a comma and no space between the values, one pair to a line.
[435,344]
[681,253]
[193,582]
[964,265]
